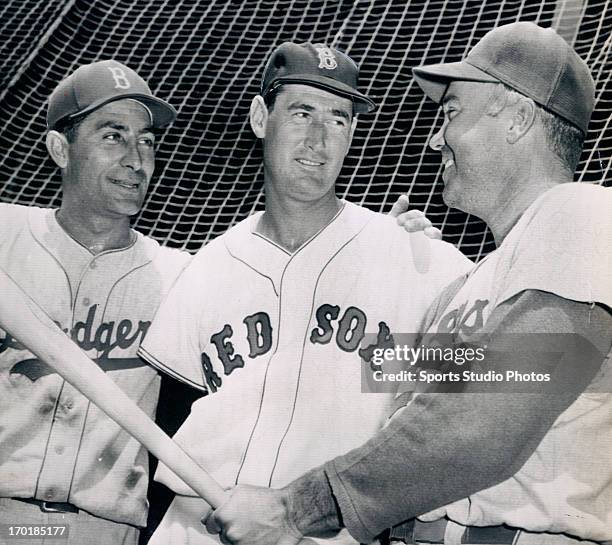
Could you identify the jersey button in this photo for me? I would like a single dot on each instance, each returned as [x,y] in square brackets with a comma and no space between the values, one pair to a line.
[50,494]
[92,265]
[59,449]
[86,301]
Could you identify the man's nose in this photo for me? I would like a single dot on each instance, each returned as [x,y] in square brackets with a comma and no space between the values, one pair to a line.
[438,141]
[132,158]
[316,135]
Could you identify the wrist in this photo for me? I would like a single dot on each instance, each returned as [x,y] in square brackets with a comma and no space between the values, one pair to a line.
[311,506]
[289,505]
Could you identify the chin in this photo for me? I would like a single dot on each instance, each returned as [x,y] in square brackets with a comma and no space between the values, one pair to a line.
[313,190]
[449,198]
[466,206]
[126,209]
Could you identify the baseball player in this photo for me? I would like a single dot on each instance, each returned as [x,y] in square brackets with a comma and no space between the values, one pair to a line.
[492,467]
[276,318]
[62,461]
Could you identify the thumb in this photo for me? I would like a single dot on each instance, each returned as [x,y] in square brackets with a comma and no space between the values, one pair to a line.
[289,539]
[433,232]
[400,206]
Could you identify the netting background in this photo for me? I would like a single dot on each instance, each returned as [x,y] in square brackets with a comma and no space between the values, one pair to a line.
[206,58]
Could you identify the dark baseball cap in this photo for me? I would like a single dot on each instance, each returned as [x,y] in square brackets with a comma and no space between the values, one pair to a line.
[532,60]
[319,66]
[93,85]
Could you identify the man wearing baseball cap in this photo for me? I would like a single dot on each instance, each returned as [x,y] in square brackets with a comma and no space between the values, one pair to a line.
[488,465]
[271,318]
[65,467]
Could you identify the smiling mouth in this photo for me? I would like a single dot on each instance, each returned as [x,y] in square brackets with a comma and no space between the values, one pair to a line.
[308,163]
[125,183]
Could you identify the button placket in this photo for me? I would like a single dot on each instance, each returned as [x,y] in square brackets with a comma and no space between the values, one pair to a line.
[63,446]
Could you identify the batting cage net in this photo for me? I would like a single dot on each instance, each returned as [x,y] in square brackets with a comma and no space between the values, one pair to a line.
[206,58]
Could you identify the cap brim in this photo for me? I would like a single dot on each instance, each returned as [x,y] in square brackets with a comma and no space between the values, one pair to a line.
[162,112]
[362,103]
[434,79]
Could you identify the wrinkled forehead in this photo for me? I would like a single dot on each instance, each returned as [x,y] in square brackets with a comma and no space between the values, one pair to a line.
[127,112]
[470,95]
[466,92]
[315,97]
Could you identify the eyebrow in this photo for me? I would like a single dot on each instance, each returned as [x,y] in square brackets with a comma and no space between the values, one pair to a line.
[302,106]
[120,127]
[341,113]
[448,97]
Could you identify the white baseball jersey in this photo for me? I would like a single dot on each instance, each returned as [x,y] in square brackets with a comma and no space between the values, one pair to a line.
[276,338]
[54,444]
[563,245]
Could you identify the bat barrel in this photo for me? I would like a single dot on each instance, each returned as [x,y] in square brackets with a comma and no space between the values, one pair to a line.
[23,319]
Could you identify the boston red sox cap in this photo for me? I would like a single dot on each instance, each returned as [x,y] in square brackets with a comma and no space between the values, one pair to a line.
[94,85]
[532,60]
[319,66]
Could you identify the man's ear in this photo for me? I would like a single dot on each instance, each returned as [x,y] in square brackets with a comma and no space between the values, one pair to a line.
[57,146]
[258,116]
[522,119]
[352,131]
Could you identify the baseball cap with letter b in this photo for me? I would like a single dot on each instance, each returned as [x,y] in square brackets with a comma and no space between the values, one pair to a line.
[92,86]
[316,65]
[532,60]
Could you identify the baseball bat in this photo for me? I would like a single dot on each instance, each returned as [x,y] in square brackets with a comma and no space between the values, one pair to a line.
[24,320]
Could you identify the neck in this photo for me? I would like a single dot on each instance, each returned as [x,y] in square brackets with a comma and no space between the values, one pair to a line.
[531,169]
[291,224]
[501,220]
[97,234]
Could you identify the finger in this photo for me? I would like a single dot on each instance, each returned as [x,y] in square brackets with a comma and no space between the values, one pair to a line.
[433,232]
[401,205]
[416,224]
[288,539]
[224,539]
[212,526]
[409,216]
[206,516]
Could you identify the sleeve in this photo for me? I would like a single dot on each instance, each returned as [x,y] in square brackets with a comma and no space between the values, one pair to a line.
[172,343]
[444,447]
[564,246]
[13,218]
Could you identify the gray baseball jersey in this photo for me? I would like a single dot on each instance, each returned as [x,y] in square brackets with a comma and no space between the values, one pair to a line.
[54,444]
[277,338]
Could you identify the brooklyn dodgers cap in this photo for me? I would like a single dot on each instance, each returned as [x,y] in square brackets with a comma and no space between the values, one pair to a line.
[94,85]
[319,66]
[532,60]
